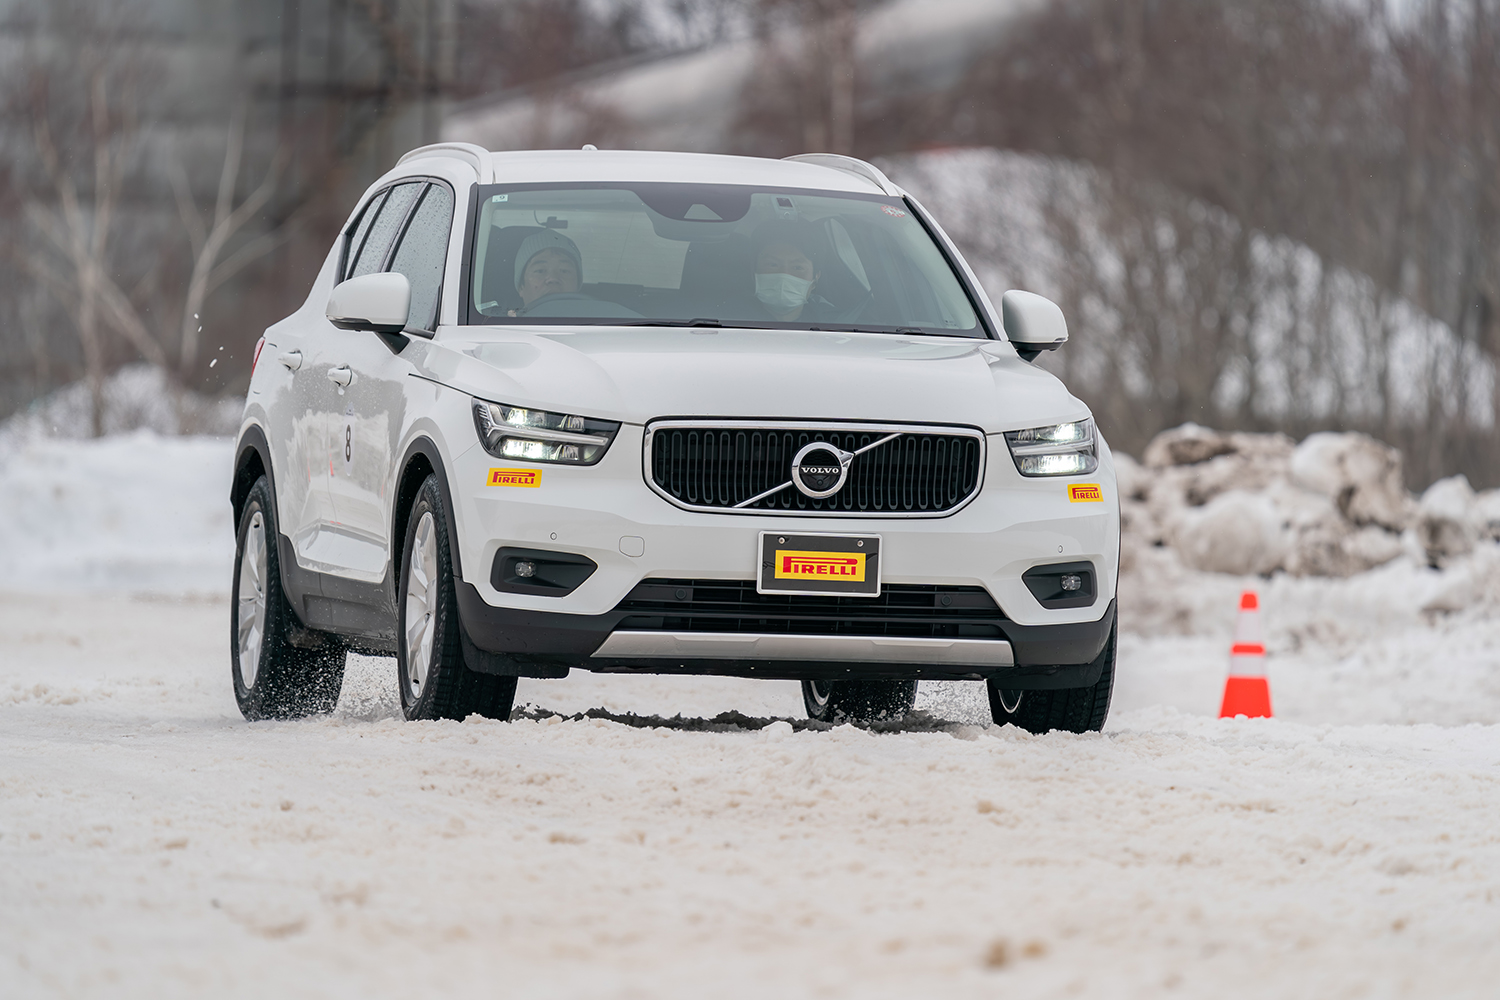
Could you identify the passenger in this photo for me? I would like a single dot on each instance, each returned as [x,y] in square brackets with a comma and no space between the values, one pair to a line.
[547,264]
[786,273]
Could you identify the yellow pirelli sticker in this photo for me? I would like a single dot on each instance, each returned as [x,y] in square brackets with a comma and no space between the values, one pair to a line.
[515,477]
[847,566]
[1085,493]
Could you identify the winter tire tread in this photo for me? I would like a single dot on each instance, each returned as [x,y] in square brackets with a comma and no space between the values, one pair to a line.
[1073,710]
[861,702]
[301,671]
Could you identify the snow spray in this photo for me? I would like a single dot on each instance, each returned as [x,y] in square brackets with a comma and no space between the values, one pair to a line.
[1247,691]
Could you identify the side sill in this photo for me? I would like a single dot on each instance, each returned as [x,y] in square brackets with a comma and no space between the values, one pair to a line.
[363,613]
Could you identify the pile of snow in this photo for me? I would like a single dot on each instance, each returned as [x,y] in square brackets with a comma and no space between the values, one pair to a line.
[137,397]
[133,512]
[1334,505]
[143,509]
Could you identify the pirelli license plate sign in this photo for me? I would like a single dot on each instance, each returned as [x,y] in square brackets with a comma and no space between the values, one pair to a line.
[848,565]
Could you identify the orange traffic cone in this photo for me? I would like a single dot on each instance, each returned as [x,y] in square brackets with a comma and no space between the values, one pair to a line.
[1246,692]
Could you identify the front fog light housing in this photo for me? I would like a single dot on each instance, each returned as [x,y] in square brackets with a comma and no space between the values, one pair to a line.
[514,432]
[1070,449]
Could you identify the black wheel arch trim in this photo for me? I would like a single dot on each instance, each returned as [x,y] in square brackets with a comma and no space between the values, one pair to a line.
[252,441]
[406,494]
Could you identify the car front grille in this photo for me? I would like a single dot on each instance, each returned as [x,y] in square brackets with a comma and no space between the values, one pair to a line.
[718,467]
[918,611]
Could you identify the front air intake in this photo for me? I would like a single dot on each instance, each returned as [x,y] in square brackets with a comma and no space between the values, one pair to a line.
[725,606]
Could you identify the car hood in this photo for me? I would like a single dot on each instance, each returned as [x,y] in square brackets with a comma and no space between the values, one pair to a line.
[639,374]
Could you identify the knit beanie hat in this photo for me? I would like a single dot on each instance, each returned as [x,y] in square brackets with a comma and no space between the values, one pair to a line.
[546,240]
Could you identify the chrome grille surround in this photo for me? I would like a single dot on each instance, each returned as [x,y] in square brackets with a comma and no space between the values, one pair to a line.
[973,481]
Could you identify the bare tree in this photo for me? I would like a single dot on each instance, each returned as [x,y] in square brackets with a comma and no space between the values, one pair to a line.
[209,238]
[802,96]
[77,222]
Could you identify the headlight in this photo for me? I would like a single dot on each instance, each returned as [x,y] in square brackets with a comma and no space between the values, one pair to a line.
[539,436]
[1055,450]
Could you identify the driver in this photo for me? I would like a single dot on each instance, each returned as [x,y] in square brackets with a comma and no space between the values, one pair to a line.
[547,263]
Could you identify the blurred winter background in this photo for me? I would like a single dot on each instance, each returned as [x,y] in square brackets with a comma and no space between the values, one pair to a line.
[1274,227]
[1278,219]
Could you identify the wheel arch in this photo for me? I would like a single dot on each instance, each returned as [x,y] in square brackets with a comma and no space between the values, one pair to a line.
[422,459]
[252,459]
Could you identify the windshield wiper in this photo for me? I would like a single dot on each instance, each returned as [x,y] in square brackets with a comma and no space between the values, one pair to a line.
[700,321]
[708,321]
[896,329]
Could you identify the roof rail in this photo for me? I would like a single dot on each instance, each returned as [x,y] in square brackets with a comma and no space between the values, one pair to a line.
[476,155]
[849,165]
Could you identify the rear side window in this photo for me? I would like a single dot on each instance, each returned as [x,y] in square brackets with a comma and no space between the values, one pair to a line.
[423,253]
[371,255]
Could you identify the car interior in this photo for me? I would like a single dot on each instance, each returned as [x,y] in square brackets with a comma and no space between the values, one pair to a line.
[864,276]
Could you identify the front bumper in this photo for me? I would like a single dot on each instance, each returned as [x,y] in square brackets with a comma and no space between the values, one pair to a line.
[518,642]
[610,515]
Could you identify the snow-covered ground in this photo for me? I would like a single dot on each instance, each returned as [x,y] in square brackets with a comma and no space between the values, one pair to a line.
[135,512]
[154,844]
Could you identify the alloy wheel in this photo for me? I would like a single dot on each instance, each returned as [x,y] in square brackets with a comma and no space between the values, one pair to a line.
[251,615]
[421,605]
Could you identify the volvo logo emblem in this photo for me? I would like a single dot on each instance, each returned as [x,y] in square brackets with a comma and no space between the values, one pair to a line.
[819,469]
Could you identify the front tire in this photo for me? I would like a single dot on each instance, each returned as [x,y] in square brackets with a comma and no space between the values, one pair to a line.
[1073,710]
[280,670]
[861,702]
[434,680]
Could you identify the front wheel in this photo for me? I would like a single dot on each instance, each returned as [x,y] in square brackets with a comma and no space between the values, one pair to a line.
[435,682]
[860,702]
[1073,710]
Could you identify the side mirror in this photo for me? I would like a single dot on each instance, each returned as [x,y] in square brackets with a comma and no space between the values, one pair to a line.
[379,302]
[1033,323]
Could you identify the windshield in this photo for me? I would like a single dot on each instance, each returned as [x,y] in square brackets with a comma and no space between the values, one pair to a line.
[685,254]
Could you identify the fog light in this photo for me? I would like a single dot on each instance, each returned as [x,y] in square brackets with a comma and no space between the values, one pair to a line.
[527,568]
[1071,582]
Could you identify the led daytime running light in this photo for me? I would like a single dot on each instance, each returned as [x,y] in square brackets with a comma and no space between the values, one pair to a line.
[1055,450]
[518,433]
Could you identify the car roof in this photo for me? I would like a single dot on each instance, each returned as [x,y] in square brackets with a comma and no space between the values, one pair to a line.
[826,172]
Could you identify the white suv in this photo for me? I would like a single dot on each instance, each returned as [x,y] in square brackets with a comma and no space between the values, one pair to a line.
[658,412]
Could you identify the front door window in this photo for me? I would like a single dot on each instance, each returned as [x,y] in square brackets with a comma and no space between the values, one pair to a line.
[424,253]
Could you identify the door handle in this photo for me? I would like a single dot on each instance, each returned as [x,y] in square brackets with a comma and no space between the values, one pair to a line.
[292,359]
[343,375]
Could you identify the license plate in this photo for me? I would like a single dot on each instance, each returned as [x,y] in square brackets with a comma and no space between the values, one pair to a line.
[847,565]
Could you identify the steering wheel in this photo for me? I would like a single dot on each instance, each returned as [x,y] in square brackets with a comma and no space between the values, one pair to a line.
[547,300]
[852,312]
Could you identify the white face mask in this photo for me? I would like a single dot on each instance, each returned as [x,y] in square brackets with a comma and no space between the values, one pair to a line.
[782,291]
